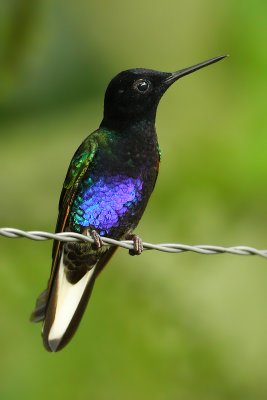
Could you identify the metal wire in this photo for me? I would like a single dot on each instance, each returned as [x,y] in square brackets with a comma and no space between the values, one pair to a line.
[128,244]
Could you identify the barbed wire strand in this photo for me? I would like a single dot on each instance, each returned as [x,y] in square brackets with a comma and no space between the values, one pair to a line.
[14,233]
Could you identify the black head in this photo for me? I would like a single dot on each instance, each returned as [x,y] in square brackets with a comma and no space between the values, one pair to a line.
[134,94]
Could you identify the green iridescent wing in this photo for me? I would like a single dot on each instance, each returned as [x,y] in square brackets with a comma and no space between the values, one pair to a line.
[79,165]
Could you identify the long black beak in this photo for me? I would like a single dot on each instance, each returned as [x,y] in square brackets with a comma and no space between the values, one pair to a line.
[185,71]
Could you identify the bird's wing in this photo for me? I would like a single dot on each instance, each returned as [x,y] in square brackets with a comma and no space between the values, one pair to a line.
[80,163]
[62,305]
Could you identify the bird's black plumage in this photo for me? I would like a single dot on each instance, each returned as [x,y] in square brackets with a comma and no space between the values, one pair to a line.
[106,190]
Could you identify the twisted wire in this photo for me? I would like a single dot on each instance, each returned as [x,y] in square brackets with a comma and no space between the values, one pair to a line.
[128,244]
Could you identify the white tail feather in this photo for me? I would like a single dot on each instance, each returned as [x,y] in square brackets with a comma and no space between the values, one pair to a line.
[68,298]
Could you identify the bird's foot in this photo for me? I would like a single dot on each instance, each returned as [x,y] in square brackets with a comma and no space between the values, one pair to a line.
[98,242]
[137,244]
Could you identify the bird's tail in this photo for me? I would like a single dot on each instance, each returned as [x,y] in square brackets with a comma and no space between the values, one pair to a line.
[62,305]
[61,310]
[38,313]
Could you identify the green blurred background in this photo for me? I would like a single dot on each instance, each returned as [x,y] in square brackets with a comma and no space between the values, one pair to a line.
[158,326]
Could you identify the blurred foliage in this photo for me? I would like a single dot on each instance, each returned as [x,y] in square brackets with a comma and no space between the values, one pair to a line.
[159,326]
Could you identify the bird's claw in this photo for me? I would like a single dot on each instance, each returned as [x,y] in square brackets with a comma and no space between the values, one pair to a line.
[98,242]
[137,245]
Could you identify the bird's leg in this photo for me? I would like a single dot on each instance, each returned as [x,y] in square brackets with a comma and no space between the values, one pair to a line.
[98,242]
[137,244]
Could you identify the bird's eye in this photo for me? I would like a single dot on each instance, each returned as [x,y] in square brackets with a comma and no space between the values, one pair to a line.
[142,85]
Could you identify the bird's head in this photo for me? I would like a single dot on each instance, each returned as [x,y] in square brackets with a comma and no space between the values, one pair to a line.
[134,94]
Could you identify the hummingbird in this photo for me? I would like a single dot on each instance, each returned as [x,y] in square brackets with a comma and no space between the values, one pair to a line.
[106,190]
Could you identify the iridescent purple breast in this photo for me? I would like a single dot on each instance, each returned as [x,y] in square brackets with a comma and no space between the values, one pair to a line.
[103,203]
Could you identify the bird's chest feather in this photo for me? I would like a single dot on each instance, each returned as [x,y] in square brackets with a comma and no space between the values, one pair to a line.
[115,190]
